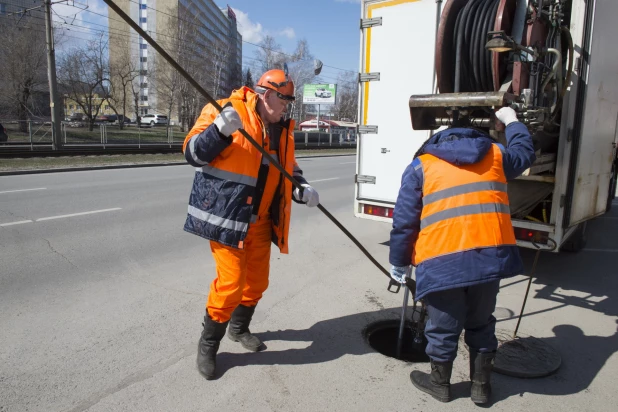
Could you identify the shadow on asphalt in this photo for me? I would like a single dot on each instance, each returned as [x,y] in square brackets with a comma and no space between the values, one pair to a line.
[586,280]
[327,340]
[582,359]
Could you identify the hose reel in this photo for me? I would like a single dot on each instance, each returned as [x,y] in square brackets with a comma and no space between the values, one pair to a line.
[474,78]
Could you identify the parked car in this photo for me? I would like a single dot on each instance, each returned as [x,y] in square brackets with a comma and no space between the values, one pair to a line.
[113,118]
[76,117]
[322,93]
[3,134]
[153,120]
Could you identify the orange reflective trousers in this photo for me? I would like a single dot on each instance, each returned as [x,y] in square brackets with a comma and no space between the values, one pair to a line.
[242,274]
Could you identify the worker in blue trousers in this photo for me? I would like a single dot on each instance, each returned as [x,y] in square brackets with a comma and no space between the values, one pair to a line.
[452,222]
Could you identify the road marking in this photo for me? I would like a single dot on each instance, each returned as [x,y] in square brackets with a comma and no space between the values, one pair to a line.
[15,223]
[324,180]
[78,214]
[601,250]
[348,163]
[23,190]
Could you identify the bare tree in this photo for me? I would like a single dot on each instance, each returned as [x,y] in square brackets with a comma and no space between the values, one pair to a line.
[301,72]
[219,54]
[83,73]
[123,73]
[235,78]
[166,80]
[248,79]
[194,59]
[268,56]
[346,106]
[135,95]
[23,67]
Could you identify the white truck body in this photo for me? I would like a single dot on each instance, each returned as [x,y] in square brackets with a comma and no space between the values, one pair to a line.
[401,49]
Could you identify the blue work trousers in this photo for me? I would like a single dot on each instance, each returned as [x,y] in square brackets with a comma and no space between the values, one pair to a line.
[451,311]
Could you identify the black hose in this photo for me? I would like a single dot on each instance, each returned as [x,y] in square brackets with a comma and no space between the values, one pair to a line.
[410,283]
[478,40]
[473,68]
[489,26]
[464,30]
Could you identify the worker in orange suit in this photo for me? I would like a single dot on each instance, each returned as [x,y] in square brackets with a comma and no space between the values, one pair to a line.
[242,203]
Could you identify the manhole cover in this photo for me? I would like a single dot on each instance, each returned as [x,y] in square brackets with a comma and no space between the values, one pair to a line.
[525,356]
[383,335]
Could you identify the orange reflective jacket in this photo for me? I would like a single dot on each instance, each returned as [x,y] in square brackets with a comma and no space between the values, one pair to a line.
[227,181]
[464,207]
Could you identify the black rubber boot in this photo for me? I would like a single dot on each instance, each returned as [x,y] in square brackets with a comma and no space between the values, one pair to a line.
[239,328]
[437,383]
[208,346]
[481,365]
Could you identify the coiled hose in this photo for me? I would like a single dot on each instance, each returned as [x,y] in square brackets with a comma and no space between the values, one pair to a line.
[473,64]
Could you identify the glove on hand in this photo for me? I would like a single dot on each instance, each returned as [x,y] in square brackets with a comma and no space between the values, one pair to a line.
[506,115]
[228,121]
[308,195]
[399,272]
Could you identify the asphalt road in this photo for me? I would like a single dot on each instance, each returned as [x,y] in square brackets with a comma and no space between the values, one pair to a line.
[102,297]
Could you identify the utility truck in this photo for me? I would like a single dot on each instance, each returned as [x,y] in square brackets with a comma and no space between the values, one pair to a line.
[430,64]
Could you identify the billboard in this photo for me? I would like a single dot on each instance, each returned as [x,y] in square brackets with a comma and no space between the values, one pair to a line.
[319,93]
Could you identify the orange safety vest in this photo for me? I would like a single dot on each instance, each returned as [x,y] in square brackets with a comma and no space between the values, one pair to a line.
[235,173]
[464,207]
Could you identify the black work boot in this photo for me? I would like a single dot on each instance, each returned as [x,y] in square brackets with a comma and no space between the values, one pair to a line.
[239,328]
[209,345]
[481,365]
[437,383]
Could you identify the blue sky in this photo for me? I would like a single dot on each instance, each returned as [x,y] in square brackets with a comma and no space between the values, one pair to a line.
[330,26]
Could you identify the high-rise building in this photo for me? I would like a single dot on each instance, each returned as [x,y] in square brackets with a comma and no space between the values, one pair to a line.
[194,32]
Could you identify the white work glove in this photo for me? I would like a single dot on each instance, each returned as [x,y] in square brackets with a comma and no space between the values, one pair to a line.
[399,273]
[506,115]
[228,121]
[308,195]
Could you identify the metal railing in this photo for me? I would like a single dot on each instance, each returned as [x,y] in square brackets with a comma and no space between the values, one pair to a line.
[26,133]
[38,134]
[35,133]
[315,139]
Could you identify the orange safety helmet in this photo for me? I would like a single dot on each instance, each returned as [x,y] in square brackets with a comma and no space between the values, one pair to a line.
[278,81]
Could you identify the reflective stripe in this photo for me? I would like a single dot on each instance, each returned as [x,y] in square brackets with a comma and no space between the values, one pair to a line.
[465,210]
[229,176]
[463,189]
[217,220]
[192,150]
[416,163]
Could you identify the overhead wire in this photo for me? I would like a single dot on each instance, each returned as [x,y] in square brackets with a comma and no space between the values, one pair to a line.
[133,34]
[185,47]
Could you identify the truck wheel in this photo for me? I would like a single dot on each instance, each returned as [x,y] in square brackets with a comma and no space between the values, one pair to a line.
[577,241]
[612,188]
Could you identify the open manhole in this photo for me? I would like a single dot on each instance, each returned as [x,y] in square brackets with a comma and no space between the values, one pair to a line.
[383,335]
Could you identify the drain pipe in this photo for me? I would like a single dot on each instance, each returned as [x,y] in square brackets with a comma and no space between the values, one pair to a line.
[402,322]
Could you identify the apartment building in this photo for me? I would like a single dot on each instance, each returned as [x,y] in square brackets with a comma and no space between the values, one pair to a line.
[195,27]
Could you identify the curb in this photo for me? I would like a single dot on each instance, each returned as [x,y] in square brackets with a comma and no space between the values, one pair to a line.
[125,166]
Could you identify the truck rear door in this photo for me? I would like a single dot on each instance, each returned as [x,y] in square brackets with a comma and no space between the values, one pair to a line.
[401,50]
[595,137]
